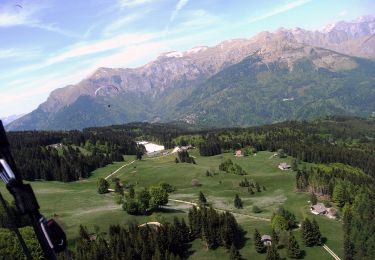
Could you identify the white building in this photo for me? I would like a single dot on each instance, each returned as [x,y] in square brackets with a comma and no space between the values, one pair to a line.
[151,147]
[284,166]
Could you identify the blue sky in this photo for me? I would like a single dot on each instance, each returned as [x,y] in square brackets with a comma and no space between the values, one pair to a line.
[48,44]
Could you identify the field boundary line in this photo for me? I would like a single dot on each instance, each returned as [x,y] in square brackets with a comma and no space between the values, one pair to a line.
[331,252]
[119,169]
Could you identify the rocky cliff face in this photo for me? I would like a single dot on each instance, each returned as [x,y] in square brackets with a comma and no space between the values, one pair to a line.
[175,72]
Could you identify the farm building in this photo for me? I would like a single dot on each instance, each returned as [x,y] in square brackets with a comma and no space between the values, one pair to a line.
[318,209]
[284,166]
[238,153]
[266,239]
[151,148]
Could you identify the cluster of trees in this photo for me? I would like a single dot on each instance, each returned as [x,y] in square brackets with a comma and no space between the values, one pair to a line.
[184,157]
[167,241]
[250,185]
[146,200]
[310,232]
[352,190]
[339,182]
[359,226]
[49,164]
[209,146]
[337,139]
[10,247]
[291,244]
[229,167]
[214,228]
[283,219]
[37,157]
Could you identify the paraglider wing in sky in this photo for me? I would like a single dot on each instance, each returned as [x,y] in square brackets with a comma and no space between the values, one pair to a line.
[106,89]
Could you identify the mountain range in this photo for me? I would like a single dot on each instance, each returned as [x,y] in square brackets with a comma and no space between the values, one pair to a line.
[271,77]
[8,119]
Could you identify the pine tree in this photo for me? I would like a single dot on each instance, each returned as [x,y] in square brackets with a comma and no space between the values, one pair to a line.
[313,199]
[237,202]
[338,195]
[259,245]
[275,237]
[293,249]
[294,165]
[202,199]
[349,251]
[307,231]
[102,186]
[272,253]
[316,233]
[234,254]
[257,187]
[131,192]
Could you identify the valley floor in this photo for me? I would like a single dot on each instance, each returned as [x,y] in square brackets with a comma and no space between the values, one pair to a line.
[78,202]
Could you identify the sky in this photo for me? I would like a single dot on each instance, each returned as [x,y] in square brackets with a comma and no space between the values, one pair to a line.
[48,44]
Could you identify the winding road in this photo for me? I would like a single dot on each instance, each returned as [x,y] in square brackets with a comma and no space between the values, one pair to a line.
[106,178]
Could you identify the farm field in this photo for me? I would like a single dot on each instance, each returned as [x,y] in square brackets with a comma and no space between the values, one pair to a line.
[79,203]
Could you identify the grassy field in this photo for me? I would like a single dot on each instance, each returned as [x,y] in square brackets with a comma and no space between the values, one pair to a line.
[78,202]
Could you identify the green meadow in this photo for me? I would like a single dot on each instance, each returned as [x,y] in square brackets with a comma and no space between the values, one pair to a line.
[78,202]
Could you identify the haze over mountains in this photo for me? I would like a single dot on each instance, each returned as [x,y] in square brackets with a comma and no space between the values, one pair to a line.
[271,77]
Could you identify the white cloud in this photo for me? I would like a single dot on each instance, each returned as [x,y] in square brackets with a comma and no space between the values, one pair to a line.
[132,3]
[11,15]
[32,91]
[120,23]
[136,53]
[180,4]
[198,18]
[18,54]
[278,10]
[83,49]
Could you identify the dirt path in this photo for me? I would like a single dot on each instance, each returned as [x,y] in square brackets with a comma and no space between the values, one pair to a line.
[106,178]
[331,252]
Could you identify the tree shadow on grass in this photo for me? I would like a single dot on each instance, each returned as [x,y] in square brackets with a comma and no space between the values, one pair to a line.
[243,239]
[169,210]
[188,251]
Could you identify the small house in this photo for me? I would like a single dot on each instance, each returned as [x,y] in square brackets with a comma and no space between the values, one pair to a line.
[318,209]
[284,166]
[238,153]
[266,239]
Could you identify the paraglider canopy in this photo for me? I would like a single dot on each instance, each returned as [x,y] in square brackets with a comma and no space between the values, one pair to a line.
[106,89]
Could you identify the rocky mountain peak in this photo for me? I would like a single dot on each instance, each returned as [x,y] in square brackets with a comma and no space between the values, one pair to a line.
[178,71]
